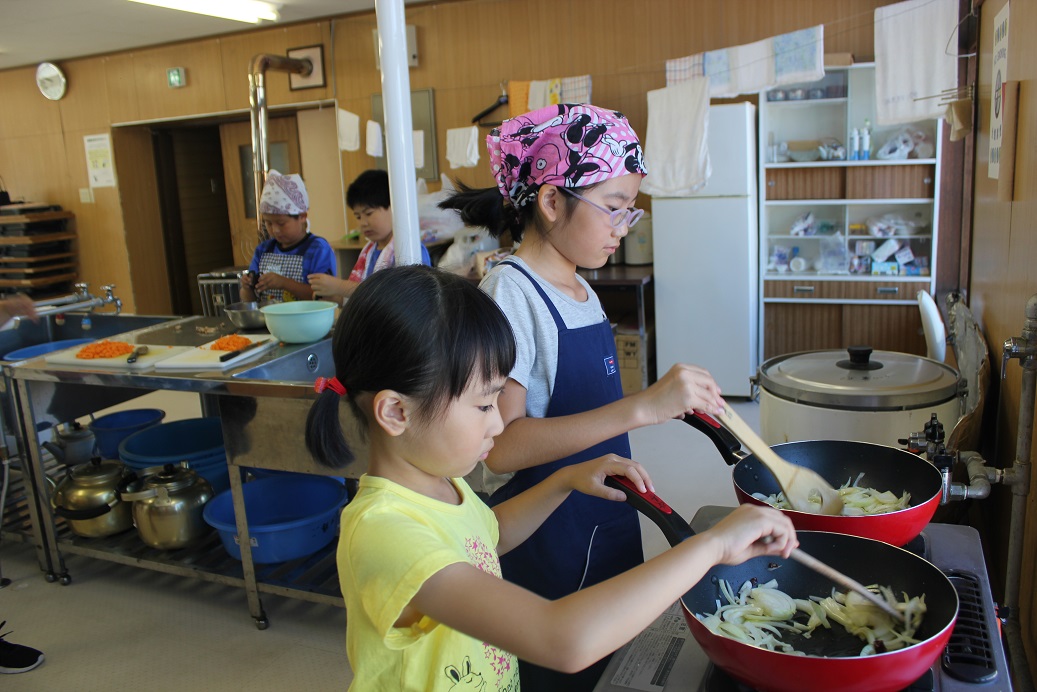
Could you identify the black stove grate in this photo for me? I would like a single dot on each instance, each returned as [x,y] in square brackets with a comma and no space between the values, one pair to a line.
[969,655]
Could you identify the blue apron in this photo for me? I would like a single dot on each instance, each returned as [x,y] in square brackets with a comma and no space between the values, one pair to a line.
[587,539]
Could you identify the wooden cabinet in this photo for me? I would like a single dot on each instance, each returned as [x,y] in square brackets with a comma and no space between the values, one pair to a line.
[847,240]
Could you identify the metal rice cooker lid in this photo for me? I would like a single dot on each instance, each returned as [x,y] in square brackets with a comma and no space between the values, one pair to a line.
[859,379]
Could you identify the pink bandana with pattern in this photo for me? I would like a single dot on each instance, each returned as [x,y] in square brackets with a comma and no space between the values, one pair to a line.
[284,194]
[565,145]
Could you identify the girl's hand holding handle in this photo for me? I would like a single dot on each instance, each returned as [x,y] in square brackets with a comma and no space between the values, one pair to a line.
[589,476]
[682,390]
[750,531]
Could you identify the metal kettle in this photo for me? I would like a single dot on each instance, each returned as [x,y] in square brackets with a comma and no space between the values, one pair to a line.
[167,505]
[88,500]
[73,445]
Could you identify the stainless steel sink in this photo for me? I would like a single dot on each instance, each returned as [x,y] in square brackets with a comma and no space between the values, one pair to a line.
[305,364]
[73,326]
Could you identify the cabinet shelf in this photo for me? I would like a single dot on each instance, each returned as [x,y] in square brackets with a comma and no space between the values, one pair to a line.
[854,164]
[844,202]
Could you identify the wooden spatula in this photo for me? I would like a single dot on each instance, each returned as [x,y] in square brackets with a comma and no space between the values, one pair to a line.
[797,482]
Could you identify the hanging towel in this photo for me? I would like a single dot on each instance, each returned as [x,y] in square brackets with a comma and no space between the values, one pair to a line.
[675,146]
[518,98]
[911,59]
[462,147]
[750,69]
[682,69]
[554,91]
[348,131]
[538,96]
[419,148]
[374,139]
[576,89]
[799,56]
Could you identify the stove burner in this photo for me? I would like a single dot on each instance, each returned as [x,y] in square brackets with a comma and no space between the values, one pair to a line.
[969,655]
[717,680]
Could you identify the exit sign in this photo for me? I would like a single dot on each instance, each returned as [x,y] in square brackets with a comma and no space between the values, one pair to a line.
[176,77]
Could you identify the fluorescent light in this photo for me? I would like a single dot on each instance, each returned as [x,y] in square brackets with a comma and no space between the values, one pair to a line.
[251,11]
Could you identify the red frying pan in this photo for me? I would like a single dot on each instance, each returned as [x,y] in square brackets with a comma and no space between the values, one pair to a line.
[831,662]
[884,468]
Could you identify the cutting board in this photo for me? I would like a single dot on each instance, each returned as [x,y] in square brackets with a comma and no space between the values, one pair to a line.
[155,354]
[204,358]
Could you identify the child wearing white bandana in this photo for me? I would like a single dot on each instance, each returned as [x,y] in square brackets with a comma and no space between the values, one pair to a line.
[281,263]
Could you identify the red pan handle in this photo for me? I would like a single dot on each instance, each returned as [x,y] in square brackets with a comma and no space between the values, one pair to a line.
[726,443]
[673,525]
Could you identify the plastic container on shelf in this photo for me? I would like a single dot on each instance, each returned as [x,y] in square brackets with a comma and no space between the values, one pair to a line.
[289,516]
[43,349]
[198,441]
[111,430]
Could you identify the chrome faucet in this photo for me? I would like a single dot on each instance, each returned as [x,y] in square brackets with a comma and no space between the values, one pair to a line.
[79,301]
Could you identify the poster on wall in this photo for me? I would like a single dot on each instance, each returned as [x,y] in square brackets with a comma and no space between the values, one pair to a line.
[998,78]
[99,167]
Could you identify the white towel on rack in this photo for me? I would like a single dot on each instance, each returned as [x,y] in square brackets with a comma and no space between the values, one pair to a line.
[418,140]
[675,145]
[348,131]
[462,146]
[912,61]
[374,139]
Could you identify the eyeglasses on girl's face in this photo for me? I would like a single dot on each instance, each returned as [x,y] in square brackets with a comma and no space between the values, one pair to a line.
[618,217]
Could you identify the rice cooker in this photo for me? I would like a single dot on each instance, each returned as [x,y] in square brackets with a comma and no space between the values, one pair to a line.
[856,394]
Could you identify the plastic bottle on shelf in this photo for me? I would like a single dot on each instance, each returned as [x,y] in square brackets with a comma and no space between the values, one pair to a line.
[854,144]
[866,141]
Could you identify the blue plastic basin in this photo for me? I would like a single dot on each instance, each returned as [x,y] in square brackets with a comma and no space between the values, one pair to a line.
[289,516]
[111,430]
[198,441]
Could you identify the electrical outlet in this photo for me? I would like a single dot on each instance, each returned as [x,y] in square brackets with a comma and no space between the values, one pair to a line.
[86,195]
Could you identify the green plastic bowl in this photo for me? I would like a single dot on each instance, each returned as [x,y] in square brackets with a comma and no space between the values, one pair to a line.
[300,321]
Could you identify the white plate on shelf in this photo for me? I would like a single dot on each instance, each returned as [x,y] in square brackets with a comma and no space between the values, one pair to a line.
[204,358]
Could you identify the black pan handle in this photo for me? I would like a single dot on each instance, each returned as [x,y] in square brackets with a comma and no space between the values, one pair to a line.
[726,443]
[673,525]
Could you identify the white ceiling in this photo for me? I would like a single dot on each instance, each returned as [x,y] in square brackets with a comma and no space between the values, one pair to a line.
[32,31]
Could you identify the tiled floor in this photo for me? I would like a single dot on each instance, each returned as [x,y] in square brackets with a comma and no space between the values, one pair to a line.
[120,628]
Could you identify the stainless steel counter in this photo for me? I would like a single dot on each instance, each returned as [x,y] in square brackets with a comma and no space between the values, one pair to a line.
[262,404]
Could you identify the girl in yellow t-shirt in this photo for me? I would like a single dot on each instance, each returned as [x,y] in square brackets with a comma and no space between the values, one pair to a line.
[421,356]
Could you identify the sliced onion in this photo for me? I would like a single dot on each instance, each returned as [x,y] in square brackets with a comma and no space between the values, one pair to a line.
[857,501]
[758,614]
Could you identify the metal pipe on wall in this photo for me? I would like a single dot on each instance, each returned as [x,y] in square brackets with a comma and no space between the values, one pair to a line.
[258,115]
[399,129]
[1025,349]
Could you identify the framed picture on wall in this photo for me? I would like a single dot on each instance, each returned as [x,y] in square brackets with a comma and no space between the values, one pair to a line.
[315,54]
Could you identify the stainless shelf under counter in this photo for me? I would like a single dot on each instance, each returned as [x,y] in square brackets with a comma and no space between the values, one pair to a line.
[262,405]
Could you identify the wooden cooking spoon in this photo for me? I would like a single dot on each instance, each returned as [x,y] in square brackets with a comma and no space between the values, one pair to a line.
[797,482]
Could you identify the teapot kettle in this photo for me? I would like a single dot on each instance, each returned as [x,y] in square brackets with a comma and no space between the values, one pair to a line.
[88,500]
[167,505]
[71,445]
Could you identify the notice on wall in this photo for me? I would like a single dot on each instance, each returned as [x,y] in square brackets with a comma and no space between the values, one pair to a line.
[998,78]
[99,166]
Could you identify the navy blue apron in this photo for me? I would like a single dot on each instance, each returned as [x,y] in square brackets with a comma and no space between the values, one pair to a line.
[587,539]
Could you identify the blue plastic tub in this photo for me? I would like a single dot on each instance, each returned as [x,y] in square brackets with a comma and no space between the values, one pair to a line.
[111,430]
[43,349]
[198,441]
[267,473]
[289,516]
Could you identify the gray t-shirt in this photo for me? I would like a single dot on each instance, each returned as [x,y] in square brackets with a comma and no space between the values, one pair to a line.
[536,336]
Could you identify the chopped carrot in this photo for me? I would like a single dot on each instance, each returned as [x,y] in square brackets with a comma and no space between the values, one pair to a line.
[231,342]
[105,349]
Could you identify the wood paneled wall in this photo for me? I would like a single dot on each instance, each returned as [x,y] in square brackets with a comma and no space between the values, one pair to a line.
[1004,277]
[466,50]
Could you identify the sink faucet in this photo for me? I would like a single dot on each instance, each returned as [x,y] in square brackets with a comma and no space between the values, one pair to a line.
[79,301]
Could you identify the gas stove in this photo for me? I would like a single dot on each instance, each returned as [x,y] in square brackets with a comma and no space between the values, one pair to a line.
[666,658]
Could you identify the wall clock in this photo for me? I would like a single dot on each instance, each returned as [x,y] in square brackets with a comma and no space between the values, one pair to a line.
[51,80]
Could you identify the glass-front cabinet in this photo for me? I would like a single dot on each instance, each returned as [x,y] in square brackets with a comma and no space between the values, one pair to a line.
[847,217]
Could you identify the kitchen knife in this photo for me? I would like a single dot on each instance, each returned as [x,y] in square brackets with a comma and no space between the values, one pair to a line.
[234,354]
[137,353]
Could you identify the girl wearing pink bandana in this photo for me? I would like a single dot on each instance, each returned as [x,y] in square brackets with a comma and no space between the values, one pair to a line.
[567,183]
[281,263]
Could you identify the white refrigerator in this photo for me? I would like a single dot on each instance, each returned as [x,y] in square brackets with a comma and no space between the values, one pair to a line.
[706,261]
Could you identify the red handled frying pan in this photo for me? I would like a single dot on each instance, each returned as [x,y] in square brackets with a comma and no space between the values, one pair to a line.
[837,461]
[831,661]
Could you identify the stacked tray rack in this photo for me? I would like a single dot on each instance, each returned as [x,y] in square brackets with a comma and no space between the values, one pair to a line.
[36,249]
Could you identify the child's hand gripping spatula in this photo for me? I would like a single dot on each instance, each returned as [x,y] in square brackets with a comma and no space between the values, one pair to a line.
[797,482]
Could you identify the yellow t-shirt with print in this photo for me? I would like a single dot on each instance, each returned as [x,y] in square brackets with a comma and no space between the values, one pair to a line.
[392,540]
